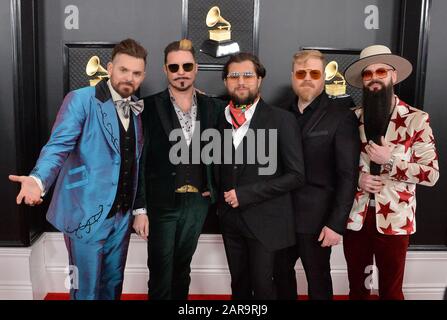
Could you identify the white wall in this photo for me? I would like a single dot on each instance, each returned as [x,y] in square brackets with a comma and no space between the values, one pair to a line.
[30,273]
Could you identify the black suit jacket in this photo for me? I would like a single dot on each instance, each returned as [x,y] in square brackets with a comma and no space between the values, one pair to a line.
[331,147]
[156,184]
[265,202]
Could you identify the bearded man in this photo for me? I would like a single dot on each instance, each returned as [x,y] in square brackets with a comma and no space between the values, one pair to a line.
[398,152]
[255,206]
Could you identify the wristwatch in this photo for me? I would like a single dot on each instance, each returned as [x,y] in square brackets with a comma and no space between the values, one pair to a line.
[389,165]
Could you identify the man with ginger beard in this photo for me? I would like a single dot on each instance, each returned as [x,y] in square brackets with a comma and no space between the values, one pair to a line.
[398,152]
[331,150]
[173,200]
[93,152]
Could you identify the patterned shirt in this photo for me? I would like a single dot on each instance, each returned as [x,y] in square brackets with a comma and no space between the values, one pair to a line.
[187,119]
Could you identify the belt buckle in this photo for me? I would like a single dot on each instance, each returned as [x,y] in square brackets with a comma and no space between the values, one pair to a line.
[187,188]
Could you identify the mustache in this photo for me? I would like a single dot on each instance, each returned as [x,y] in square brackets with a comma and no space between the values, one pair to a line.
[181,78]
[376,82]
[127,82]
[307,84]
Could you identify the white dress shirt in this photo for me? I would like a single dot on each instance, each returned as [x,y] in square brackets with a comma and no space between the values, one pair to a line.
[115,97]
[239,133]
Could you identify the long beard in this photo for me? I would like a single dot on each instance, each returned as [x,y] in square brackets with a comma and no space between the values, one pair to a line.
[376,111]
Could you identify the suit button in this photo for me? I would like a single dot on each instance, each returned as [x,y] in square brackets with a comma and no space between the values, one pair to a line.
[173,174]
[117,163]
[235,167]
[114,183]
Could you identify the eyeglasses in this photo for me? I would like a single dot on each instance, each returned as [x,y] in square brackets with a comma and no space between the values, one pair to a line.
[380,73]
[314,74]
[187,67]
[247,75]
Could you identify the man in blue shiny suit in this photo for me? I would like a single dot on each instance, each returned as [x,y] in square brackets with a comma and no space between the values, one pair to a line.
[94,152]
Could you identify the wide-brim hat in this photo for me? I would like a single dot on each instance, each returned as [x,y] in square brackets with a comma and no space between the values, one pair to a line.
[377,54]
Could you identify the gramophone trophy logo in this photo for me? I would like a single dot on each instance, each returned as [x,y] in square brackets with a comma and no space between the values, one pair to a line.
[95,70]
[219,43]
[338,87]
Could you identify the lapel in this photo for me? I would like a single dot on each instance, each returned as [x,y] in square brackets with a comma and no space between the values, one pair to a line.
[258,121]
[164,105]
[138,129]
[107,116]
[317,115]
[202,107]
[261,116]
[399,111]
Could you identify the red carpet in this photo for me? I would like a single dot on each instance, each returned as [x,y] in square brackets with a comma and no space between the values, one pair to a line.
[128,296]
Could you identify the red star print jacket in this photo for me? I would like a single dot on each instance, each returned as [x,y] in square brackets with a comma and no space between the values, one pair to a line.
[415,162]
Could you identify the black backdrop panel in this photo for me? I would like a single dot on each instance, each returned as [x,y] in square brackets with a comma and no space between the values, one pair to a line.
[76,57]
[242,15]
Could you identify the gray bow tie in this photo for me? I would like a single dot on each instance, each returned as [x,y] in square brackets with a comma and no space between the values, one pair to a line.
[125,105]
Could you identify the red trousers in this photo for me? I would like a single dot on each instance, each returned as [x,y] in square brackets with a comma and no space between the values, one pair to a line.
[390,252]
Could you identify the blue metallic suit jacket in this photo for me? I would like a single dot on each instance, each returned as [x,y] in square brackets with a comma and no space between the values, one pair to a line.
[83,154]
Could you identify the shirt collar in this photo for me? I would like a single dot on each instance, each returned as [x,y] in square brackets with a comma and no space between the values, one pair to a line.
[312,106]
[194,100]
[248,113]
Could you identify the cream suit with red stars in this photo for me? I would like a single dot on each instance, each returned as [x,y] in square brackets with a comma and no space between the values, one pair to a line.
[415,162]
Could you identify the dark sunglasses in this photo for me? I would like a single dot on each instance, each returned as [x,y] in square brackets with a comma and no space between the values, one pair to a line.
[187,67]
[380,73]
[314,74]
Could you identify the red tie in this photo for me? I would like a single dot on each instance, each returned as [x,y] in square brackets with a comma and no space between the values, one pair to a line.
[238,114]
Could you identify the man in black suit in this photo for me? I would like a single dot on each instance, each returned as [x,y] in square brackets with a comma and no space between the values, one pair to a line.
[255,204]
[329,130]
[176,195]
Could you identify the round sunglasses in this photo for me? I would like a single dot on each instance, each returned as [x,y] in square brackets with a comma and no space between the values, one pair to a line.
[380,73]
[187,67]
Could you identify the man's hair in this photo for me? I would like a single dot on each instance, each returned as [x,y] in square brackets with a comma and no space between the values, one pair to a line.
[241,57]
[304,55]
[131,48]
[182,45]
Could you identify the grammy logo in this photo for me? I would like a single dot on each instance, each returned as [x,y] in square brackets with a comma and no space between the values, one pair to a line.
[95,70]
[219,43]
[337,87]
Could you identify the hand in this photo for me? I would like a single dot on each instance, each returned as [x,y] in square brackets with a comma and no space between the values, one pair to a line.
[231,198]
[206,194]
[29,191]
[370,183]
[379,154]
[329,237]
[141,225]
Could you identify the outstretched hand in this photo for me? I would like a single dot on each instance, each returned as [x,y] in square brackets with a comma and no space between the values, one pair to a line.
[30,191]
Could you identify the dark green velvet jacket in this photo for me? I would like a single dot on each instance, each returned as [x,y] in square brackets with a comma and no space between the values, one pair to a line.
[156,183]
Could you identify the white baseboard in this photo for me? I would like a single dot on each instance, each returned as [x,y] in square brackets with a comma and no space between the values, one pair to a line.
[30,273]
[15,274]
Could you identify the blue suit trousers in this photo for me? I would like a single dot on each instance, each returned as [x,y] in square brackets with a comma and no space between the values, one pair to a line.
[98,265]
